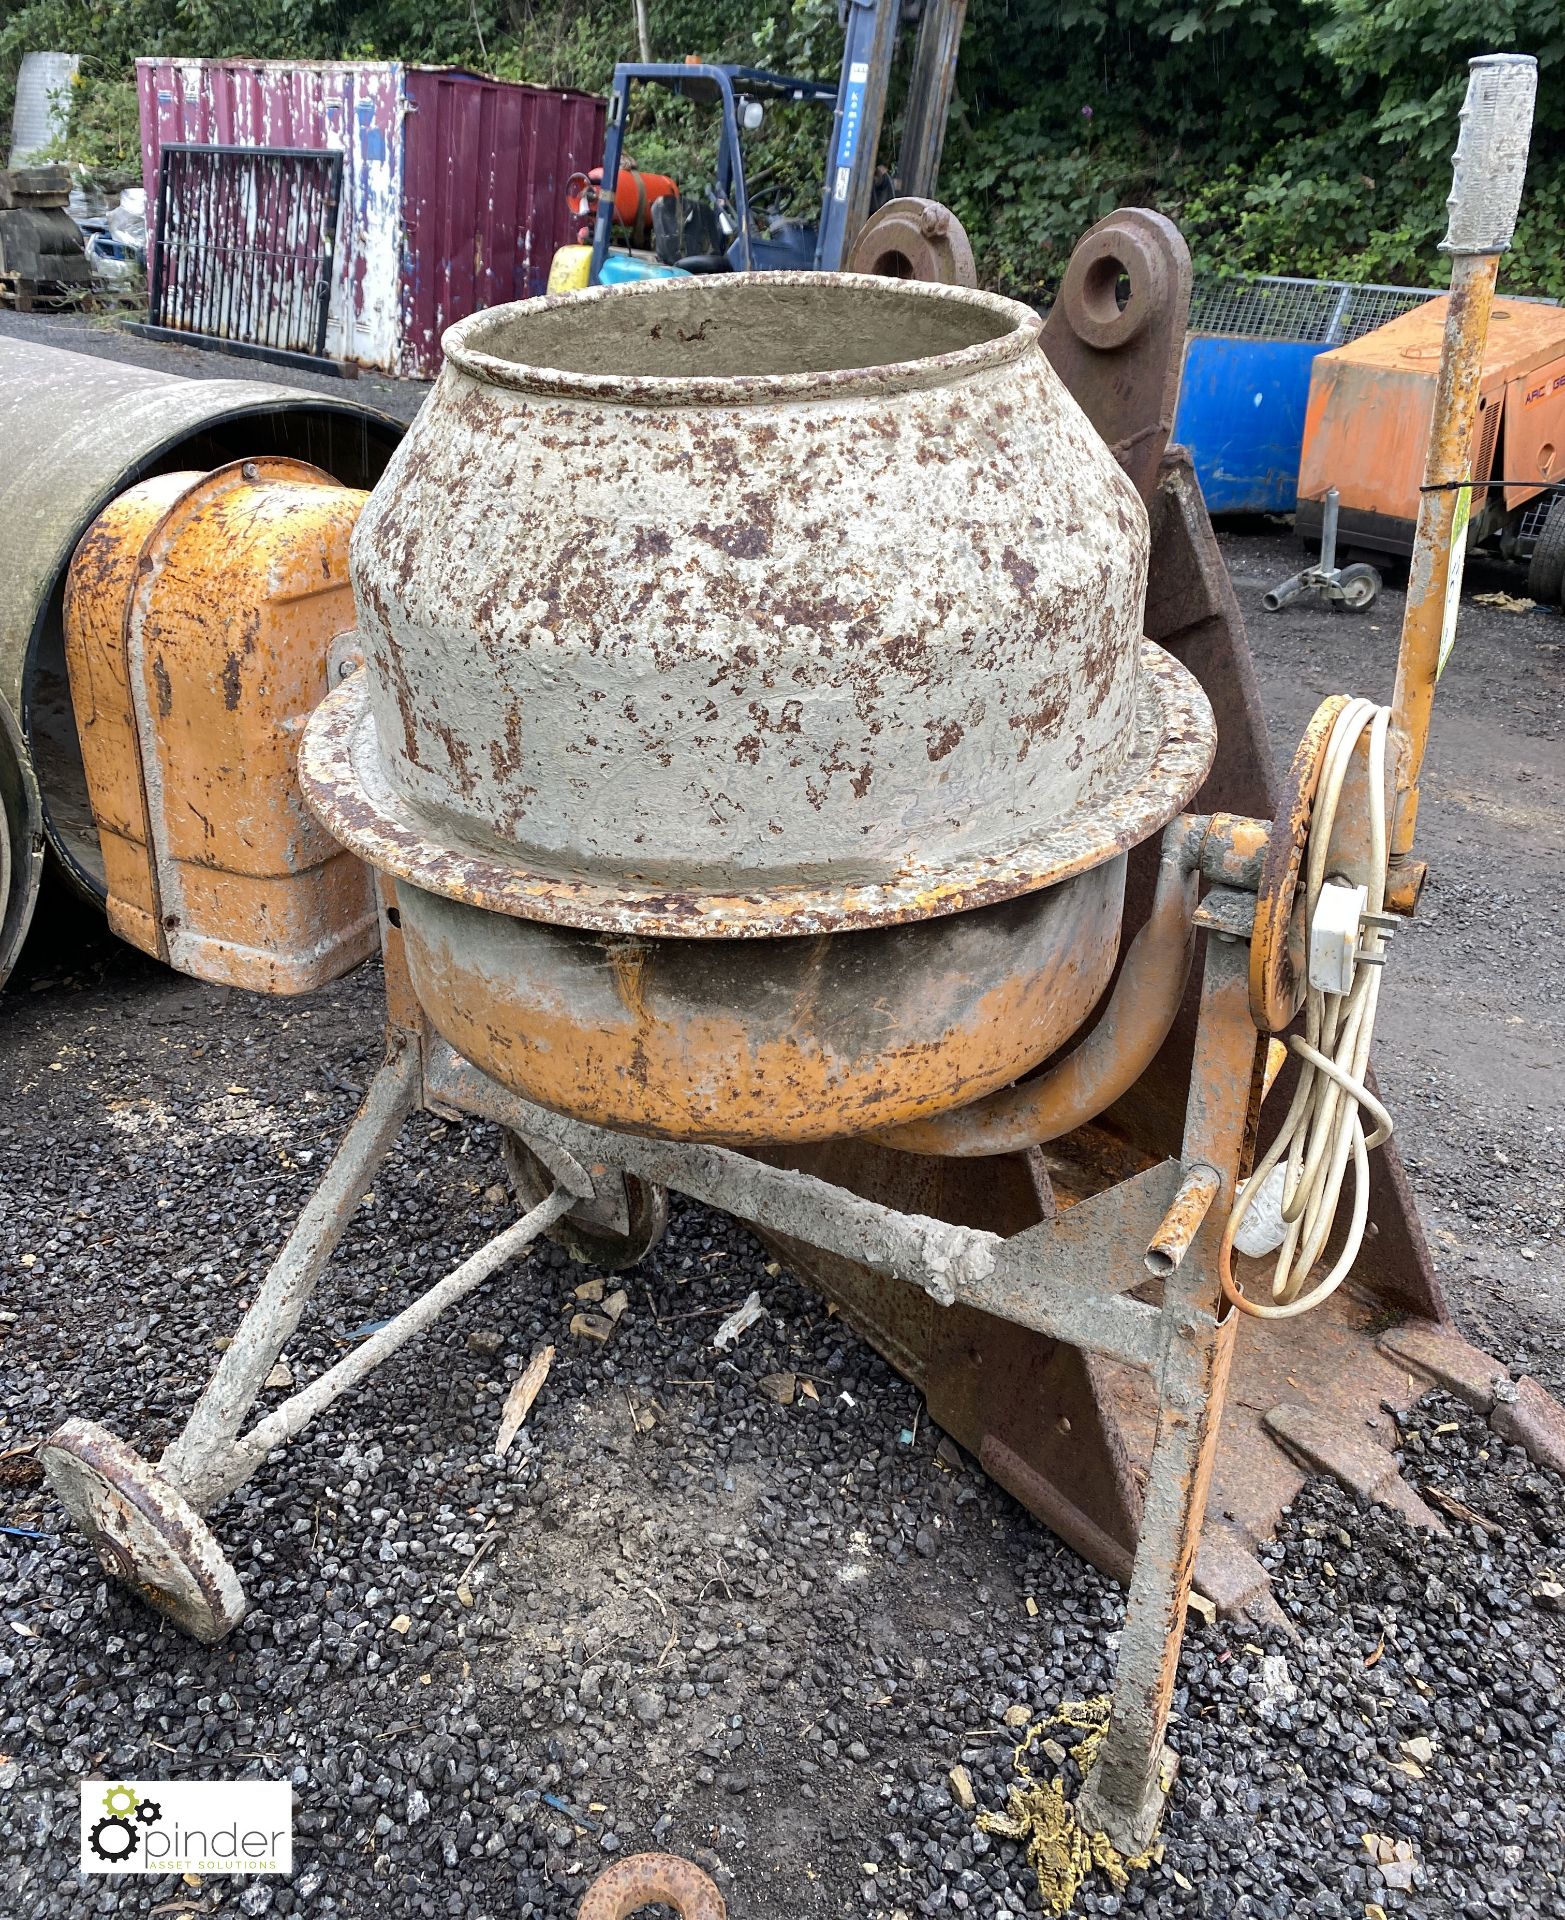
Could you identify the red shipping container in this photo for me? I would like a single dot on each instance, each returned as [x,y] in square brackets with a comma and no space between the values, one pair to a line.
[453,188]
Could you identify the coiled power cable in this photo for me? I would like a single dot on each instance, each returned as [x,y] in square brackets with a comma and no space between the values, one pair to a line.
[1324,1130]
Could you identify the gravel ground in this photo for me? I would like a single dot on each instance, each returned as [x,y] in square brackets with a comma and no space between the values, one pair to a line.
[681,1613]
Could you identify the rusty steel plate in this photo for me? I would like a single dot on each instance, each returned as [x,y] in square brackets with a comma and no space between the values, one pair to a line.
[340,770]
[146,1533]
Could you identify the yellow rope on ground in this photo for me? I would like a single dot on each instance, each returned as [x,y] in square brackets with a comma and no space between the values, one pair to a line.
[1060,1851]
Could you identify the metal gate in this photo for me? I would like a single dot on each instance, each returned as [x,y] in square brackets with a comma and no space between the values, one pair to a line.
[242,246]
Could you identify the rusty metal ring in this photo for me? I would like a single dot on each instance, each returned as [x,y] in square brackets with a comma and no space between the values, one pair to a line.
[1090,290]
[581,1235]
[650,1879]
[913,239]
[1276,991]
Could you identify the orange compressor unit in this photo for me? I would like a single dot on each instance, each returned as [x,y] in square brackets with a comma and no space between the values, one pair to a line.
[1367,426]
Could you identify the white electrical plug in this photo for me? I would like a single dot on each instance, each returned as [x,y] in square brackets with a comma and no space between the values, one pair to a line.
[1263,1228]
[1334,936]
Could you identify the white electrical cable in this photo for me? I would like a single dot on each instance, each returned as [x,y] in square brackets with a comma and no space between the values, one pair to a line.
[1324,1127]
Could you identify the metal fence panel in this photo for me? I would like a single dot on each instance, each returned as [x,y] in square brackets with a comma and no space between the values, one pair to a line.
[1327,313]
[243,244]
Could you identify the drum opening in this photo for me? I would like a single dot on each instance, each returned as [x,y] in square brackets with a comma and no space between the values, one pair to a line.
[751,330]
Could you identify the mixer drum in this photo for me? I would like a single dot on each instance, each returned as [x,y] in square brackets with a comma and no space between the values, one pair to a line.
[747,1041]
[756,610]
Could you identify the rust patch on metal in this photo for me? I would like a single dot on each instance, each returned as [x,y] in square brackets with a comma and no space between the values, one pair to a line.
[763,1040]
[914,239]
[1191,1204]
[1132,1026]
[653,1880]
[1122,362]
[199,611]
[144,1530]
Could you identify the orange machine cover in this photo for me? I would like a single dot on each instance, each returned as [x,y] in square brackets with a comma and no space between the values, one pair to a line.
[199,611]
[1367,424]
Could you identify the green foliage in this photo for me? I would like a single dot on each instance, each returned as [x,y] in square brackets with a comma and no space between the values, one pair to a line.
[1291,136]
[103,138]
[1297,136]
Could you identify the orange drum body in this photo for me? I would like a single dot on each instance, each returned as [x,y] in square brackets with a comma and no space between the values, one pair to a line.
[199,614]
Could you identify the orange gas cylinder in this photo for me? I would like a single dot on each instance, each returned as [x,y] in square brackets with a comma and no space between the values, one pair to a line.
[199,612]
[634,194]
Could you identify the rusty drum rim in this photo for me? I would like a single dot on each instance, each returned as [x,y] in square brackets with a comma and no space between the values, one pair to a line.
[653,1879]
[341,772]
[462,351]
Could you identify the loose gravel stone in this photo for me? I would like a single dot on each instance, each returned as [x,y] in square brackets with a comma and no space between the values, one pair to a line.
[724,1633]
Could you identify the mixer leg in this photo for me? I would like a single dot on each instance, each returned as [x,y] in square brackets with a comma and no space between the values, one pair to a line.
[195,1461]
[241,1458]
[149,1535]
[1123,1796]
[146,1521]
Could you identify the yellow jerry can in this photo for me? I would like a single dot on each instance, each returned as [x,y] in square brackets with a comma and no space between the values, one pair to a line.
[570,269]
[199,614]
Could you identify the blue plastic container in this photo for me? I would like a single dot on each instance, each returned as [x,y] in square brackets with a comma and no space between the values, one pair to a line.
[1253,339]
[622,269]
[1241,414]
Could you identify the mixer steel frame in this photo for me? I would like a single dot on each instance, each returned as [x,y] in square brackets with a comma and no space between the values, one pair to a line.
[1074,1279]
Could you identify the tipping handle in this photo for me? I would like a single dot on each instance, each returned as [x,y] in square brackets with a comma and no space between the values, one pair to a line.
[1491,153]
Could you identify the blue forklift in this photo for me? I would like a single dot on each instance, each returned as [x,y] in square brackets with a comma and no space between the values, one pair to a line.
[726,229]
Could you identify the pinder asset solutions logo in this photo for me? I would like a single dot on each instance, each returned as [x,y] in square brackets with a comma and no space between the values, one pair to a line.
[186,1826]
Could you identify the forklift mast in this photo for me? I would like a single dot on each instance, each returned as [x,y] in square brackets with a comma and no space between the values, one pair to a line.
[931,83]
[869,42]
[869,46]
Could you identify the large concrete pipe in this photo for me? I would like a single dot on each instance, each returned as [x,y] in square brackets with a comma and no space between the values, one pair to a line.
[77,431]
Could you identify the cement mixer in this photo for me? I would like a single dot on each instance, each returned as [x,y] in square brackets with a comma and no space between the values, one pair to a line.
[803,739]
